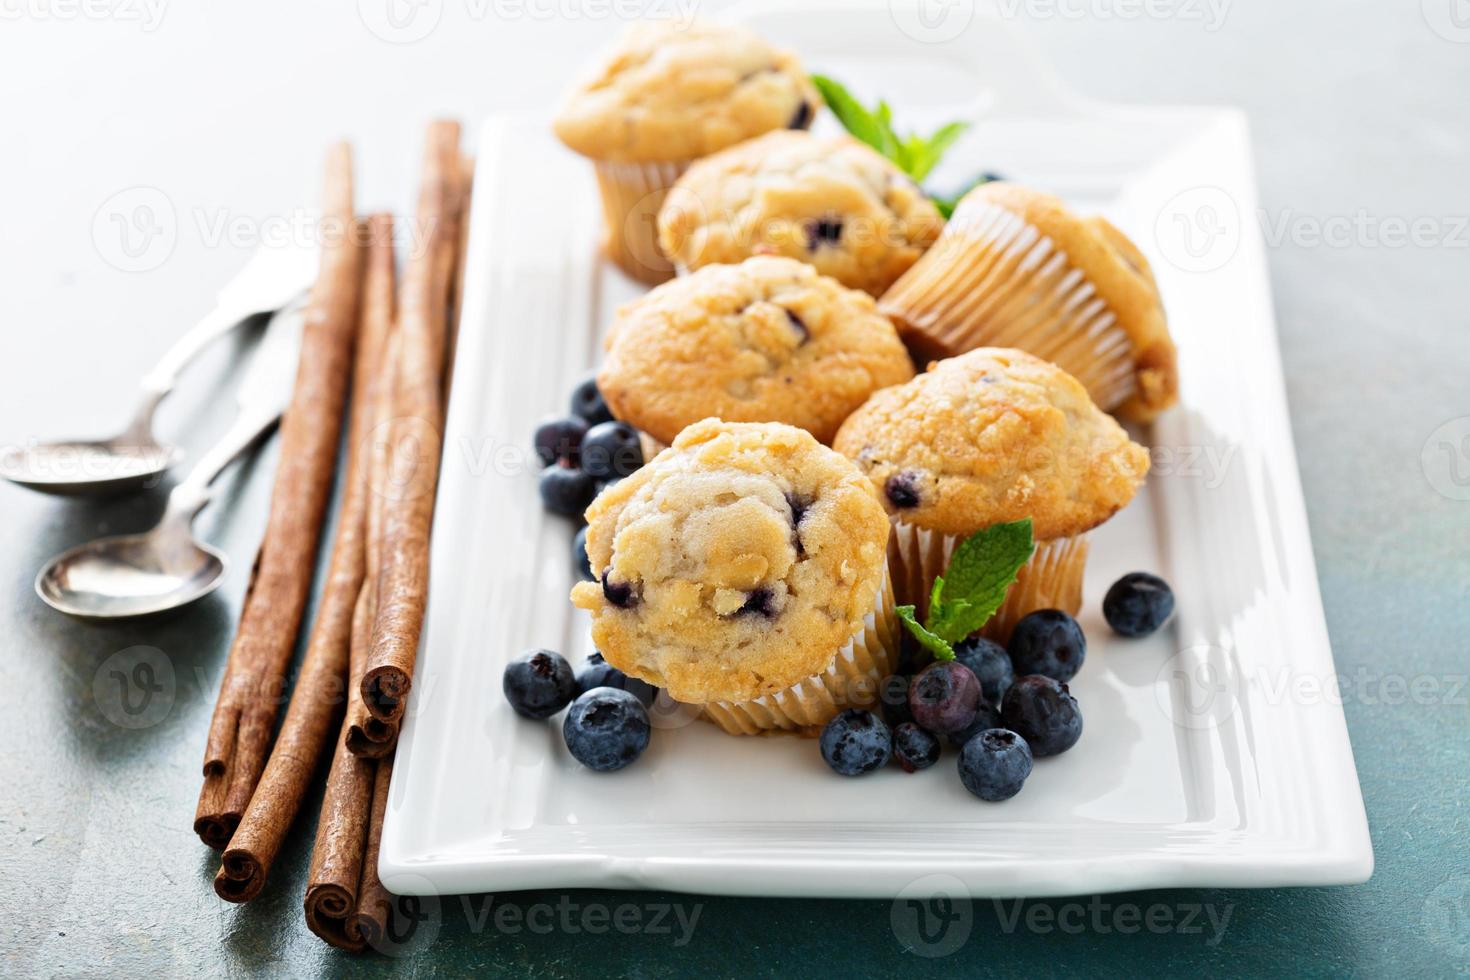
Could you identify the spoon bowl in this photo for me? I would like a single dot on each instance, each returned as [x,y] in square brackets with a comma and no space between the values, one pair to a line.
[131,575]
[88,468]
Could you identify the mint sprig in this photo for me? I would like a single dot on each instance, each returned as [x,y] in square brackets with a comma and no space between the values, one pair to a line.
[980,571]
[915,155]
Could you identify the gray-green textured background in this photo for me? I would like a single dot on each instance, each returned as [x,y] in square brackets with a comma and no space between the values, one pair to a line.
[1361,124]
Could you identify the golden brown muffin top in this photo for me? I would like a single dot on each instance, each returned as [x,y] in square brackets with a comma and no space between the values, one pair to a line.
[735,564]
[990,436]
[827,200]
[768,340]
[671,93]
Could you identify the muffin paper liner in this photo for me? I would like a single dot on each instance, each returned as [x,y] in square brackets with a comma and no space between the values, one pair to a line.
[631,196]
[851,680]
[1052,579]
[993,280]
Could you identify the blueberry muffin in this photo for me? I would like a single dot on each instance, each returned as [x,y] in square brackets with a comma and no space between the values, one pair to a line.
[743,570]
[991,436]
[662,98]
[1016,268]
[768,340]
[827,200]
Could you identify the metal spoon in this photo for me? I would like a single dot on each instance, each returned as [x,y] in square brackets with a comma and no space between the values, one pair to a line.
[134,459]
[167,567]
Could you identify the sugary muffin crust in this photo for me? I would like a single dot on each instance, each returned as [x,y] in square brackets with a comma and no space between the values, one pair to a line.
[735,564]
[994,435]
[668,93]
[768,340]
[1120,274]
[830,201]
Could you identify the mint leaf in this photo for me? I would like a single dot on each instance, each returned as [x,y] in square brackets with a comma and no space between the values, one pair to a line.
[915,155]
[934,644]
[930,151]
[849,111]
[980,571]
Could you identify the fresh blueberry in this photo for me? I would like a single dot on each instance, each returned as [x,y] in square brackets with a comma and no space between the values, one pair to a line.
[1043,712]
[986,716]
[611,450]
[587,402]
[597,672]
[893,699]
[1138,603]
[1048,642]
[944,697]
[606,729]
[902,490]
[856,742]
[914,748]
[994,764]
[913,656]
[581,566]
[559,440]
[566,491]
[990,664]
[538,683]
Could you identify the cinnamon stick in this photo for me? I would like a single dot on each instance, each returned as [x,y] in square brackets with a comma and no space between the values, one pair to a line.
[316,704]
[374,903]
[417,431]
[342,828]
[244,719]
[365,735]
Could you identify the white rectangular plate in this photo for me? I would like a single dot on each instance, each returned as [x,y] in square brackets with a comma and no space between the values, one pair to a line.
[1213,755]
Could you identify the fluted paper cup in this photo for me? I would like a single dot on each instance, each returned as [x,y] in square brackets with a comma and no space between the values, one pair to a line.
[632,193]
[1051,579]
[851,681]
[993,280]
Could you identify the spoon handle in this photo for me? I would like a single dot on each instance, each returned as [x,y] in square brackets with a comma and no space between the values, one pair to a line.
[160,381]
[196,490]
[263,395]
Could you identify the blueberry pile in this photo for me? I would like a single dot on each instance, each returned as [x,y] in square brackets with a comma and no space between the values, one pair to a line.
[999,707]
[607,727]
[584,452]
[1002,707]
